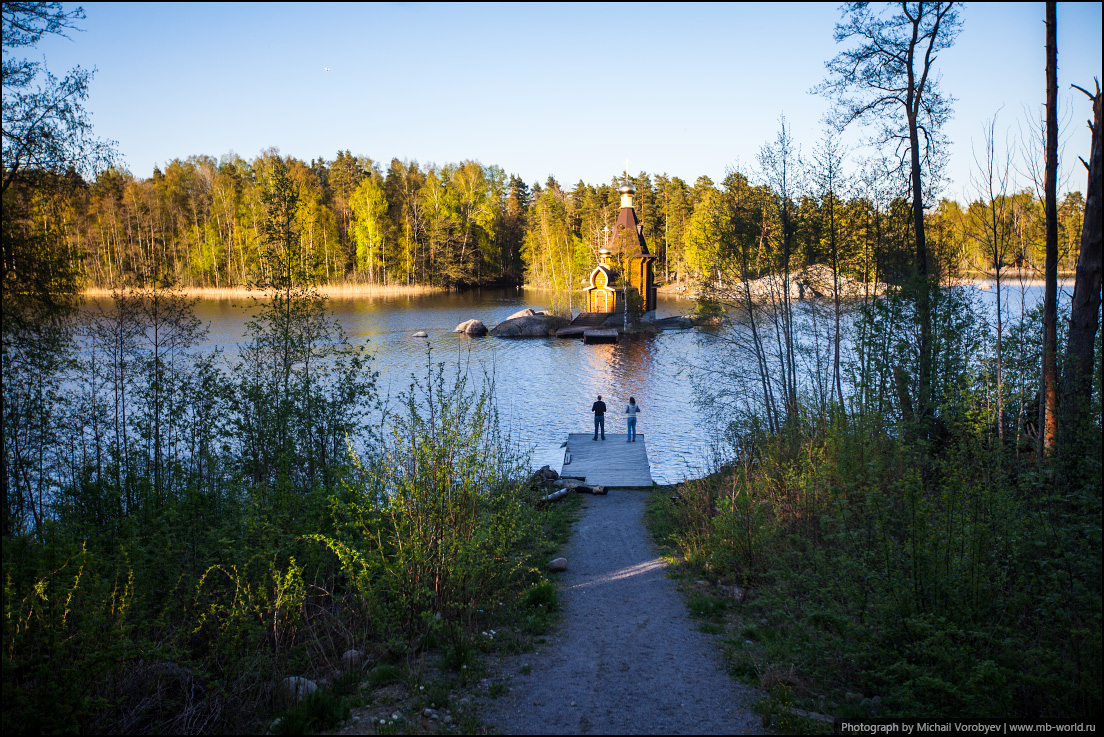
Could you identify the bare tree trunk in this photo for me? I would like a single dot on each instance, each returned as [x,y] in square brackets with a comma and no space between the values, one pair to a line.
[1078,369]
[1049,405]
[924,298]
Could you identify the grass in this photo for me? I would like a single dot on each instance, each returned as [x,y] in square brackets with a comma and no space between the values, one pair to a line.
[828,554]
[318,711]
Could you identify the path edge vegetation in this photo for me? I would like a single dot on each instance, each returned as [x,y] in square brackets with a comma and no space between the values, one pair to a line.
[908,549]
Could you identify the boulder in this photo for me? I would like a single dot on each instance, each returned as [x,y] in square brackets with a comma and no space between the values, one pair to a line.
[351,659]
[296,688]
[421,334]
[674,323]
[648,317]
[471,327]
[533,326]
[527,312]
[558,565]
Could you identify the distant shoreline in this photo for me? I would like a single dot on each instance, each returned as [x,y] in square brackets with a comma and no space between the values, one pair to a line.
[1015,281]
[378,290]
[327,290]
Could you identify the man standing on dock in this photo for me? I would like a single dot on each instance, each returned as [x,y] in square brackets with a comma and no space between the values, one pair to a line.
[599,410]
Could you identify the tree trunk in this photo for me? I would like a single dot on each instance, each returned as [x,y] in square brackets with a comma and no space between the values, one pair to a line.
[923,307]
[1049,406]
[1078,369]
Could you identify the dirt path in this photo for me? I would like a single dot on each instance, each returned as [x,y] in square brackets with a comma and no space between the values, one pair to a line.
[627,659]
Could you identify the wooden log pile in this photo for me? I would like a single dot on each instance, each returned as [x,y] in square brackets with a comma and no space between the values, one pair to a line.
[557,487]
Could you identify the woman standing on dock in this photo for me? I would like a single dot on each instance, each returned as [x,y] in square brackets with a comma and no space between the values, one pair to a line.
[632,410]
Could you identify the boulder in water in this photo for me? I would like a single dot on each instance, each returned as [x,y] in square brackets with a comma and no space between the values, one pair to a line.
[471,327]
[532,326]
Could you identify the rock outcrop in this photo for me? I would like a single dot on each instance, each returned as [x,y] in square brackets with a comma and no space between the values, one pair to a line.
[812,282]
[530,326]
[674,323]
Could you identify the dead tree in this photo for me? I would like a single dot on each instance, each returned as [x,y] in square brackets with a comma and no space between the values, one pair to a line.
[1078,367]
[1048,407]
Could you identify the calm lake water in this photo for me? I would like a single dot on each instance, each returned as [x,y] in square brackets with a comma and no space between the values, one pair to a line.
[544,386]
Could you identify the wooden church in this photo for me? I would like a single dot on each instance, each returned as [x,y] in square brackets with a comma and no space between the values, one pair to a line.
[627,238]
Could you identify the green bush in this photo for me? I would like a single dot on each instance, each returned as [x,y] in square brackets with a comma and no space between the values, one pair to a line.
[950,581]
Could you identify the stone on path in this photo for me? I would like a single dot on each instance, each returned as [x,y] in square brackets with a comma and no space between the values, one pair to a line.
[558,565]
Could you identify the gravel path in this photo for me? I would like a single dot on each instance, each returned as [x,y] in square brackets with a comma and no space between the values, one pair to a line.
[626,659]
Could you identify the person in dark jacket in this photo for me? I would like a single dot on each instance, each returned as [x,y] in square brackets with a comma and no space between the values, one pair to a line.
[599,410]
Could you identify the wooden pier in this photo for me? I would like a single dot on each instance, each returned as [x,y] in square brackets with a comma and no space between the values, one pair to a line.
[582,323]
[611,462]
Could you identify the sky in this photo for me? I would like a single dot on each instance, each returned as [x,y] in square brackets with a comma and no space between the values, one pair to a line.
[577,91]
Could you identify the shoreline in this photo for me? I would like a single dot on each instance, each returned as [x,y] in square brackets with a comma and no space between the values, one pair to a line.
[379,290]
[327,290]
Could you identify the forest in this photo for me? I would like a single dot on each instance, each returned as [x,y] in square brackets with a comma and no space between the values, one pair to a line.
[911,492]
[200,222]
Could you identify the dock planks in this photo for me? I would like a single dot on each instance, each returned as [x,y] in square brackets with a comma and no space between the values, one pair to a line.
[611,463]
[599,335]
[583,321]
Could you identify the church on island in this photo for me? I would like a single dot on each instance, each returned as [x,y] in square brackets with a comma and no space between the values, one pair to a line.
[628,238]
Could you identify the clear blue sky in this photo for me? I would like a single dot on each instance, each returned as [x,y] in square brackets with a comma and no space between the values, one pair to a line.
[569,90]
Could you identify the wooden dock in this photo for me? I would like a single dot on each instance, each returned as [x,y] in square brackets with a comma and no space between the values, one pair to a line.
[599,335]
[611,462]
[583,322]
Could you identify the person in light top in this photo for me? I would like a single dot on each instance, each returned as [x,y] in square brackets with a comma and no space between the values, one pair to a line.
[632,410]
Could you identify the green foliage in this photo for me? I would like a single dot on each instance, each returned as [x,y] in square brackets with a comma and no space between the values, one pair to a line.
[707,607]
[384,674]
[916,557]
[318,711]
[428,529]
[541,595]
[176,614]
[944,581]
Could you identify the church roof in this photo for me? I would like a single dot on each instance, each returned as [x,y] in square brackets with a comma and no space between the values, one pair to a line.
[627,224]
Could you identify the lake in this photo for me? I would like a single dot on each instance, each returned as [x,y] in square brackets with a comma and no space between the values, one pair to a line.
[544,386]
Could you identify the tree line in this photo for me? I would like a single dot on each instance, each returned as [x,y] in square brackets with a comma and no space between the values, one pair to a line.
[200,221]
